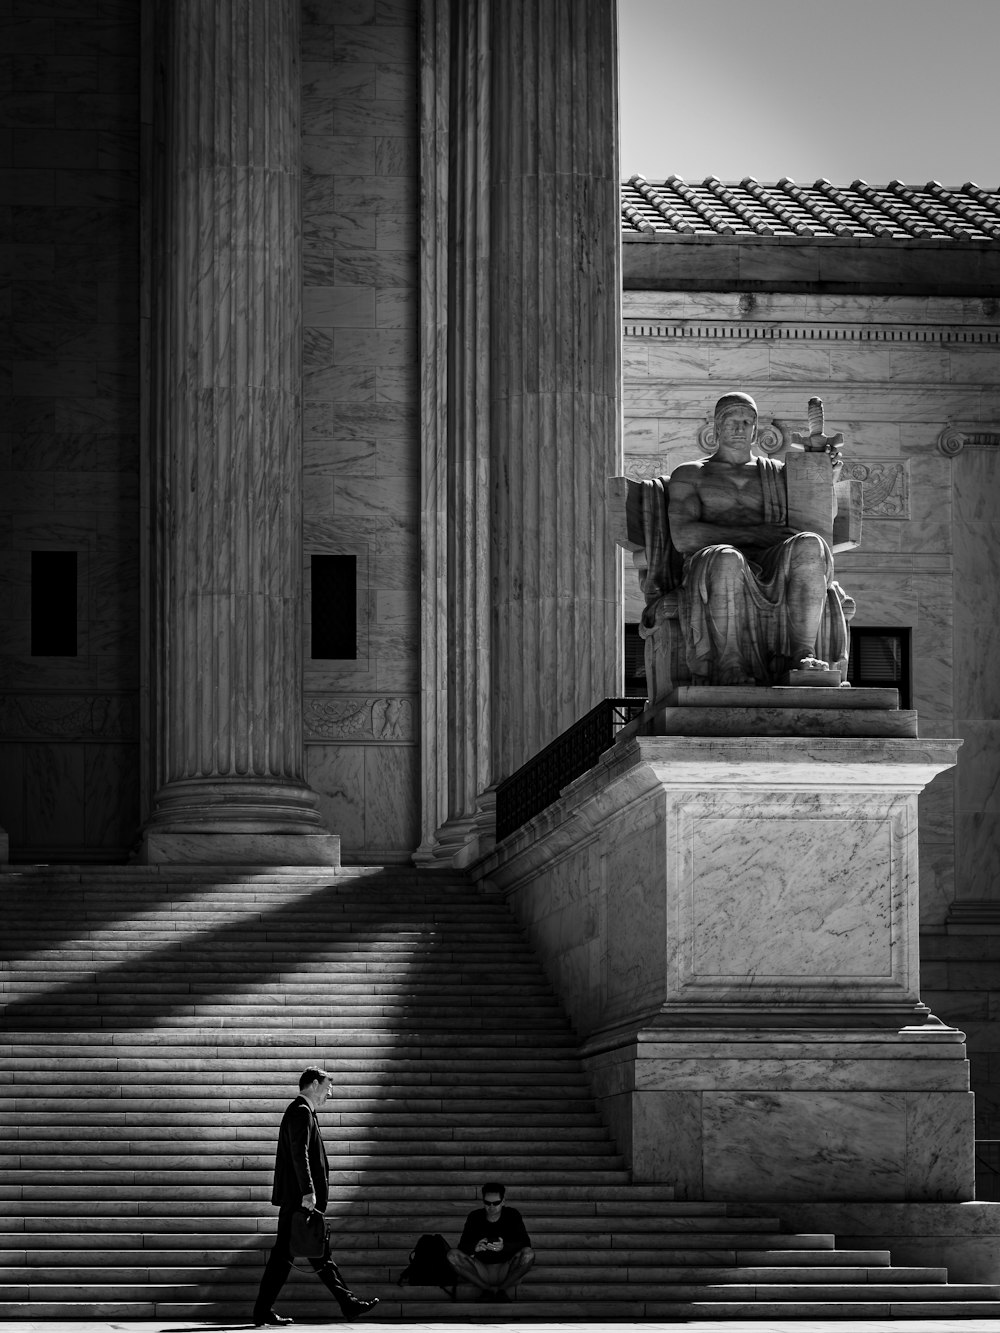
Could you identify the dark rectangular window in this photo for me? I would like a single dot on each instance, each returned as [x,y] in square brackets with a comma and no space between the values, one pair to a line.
[53,604]
[881,657]
[635,662]
[334,606]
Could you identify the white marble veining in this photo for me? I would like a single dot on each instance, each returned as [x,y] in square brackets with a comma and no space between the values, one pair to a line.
[790,891]
[817,1144]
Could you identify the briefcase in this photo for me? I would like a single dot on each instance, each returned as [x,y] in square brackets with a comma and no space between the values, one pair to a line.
[308,1236]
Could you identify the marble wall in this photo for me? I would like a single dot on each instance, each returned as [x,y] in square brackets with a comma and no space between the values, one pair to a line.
[361,443]
[69,422]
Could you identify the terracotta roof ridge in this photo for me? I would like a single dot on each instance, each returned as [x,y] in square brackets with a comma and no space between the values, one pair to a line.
[841,197]
[785,215]
[730,199]
[825,215]
[690,197]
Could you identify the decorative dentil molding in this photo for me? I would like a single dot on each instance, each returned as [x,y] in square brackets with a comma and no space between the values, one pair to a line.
[63,717]
[886,333]
[379,719]
[952,441]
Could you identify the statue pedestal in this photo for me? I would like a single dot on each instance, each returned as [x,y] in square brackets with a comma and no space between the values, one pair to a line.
[732,924]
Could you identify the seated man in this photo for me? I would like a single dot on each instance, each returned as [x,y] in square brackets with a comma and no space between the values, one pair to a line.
[754,596]
[495,1250]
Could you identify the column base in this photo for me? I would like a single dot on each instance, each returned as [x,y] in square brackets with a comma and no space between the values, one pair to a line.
[461,842]
[274,849]
[224,821]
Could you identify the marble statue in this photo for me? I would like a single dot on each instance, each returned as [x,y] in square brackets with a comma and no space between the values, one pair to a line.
[735,559]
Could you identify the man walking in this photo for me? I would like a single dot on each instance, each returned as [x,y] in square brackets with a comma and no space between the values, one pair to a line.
[495,1250]
[301,1180]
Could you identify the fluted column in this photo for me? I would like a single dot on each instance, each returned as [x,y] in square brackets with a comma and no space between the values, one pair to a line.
[455,474]
[555,395]
[225,467]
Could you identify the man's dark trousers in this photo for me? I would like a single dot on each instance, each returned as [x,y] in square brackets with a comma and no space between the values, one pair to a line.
[279,1265]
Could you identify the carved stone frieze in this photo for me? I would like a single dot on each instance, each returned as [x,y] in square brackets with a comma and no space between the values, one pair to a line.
[644,469]
[886,487]
[331,718]
[106,717]
[952,441]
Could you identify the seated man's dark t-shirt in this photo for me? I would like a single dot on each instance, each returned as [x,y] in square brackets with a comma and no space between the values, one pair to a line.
[509,1229]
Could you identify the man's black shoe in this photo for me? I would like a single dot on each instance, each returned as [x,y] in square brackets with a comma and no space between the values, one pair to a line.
[359,1306]
[502,1296]
[486,1295]
[272,1320]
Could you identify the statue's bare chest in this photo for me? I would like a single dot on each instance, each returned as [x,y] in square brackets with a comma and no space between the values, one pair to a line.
[730,495]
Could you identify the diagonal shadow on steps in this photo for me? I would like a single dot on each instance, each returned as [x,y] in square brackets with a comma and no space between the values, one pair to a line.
[281,937]
[274,953]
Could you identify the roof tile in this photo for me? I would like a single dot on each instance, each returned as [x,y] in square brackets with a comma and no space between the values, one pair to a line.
[878,213]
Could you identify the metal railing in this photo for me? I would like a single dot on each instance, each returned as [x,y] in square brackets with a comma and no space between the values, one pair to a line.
[538,783]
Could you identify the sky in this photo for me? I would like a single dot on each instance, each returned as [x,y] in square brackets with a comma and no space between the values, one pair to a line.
[846,89]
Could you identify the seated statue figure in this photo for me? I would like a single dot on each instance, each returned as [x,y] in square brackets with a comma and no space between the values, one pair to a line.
[730,565]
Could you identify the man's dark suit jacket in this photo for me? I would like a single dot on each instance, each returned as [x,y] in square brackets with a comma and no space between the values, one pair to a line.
[300,1164]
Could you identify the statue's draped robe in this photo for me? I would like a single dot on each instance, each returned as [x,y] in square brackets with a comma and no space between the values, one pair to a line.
[751,639]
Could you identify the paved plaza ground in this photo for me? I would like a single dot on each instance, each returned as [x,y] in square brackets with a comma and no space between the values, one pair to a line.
[513,1326]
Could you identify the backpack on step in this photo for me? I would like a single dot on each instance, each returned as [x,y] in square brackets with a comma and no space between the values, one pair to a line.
[429,1266]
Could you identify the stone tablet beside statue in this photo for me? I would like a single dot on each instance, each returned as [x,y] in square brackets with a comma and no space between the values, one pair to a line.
[735,559]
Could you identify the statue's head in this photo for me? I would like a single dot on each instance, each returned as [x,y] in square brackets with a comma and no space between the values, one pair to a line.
[735,402]
[735,427]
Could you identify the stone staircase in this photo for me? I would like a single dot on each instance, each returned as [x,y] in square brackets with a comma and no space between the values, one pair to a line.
[155,1024]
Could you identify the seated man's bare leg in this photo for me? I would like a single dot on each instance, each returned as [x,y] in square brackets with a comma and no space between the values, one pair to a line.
[468,1270]
[809,574]
[519,1266]
[729,570]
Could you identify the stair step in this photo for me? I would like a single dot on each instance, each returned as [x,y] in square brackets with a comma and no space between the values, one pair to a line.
[177,1005]
[540,1291]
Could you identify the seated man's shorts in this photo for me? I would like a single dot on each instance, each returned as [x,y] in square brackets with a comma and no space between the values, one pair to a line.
[494,1275]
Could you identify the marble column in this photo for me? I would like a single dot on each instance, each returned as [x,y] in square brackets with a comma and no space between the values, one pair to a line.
[555,358]
[520,392]
[455,475]
[225,440]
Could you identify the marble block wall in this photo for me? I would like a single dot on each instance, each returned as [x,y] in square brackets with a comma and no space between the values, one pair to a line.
[69,454]
[360,392]
[731,924]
